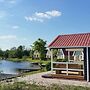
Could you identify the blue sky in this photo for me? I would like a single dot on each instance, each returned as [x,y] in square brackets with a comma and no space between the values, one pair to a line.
[24,21]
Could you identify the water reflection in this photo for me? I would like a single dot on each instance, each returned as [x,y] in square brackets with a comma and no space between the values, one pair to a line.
[9,67]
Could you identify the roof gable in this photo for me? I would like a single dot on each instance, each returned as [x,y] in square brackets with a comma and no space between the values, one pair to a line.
[71,40]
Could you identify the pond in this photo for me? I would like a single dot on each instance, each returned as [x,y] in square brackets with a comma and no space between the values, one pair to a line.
[9,67]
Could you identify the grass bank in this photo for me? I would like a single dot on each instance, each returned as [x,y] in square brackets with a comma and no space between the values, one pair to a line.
[25,86]
[29,59]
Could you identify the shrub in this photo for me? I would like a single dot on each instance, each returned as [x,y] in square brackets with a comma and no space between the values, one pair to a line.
[59,60]
[48,66]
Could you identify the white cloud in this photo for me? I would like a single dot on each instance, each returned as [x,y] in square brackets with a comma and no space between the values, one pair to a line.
[54,13]
[33,19]
[8,37]
[15,27]
[41,16]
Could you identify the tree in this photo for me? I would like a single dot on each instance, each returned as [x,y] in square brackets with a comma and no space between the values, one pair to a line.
[55,51]
[31,54]
[12,52]
[39,46]
[26,52]
[6,54]
[19,52]
[1,53]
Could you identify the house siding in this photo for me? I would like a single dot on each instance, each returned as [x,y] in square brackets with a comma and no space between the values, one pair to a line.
[89,61]
[85,64]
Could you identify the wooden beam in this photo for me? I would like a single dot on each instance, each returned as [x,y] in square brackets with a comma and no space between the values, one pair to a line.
[68,55]
[74,49]
[52,60]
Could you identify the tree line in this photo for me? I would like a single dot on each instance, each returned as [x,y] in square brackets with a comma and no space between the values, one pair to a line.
[39,45]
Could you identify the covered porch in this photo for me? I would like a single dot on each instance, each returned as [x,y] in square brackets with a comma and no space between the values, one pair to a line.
[67,67]
[74,60]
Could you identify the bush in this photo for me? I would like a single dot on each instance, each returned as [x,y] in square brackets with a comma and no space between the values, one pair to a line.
[24,57]
[62,60]
[65,60]
[48,66]
[59,60]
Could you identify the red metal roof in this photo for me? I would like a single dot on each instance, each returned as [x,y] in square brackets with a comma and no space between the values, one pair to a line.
[71,40]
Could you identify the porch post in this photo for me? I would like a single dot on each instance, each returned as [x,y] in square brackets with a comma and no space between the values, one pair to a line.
[68,55]
[52,60]
[87,66]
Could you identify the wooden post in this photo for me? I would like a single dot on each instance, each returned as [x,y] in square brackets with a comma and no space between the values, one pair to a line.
[68,55]
[87,66]
[67,68]
[52,60]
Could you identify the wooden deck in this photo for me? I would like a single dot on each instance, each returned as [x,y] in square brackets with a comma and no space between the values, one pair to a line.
[67,70]
[76,77]
[62,76]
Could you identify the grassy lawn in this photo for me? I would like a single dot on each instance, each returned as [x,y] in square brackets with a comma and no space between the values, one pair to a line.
[25,86]
[30,60]
[34,72]
[15,59]
[38,61]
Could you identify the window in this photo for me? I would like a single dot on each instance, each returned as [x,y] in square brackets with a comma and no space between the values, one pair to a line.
[78,55]
[60,54]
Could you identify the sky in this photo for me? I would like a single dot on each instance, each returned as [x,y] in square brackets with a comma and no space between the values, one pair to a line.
[22,22]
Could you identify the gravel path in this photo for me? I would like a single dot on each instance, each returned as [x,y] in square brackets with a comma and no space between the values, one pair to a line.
[37,79]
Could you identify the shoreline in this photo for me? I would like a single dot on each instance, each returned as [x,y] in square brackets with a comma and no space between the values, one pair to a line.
[38,79]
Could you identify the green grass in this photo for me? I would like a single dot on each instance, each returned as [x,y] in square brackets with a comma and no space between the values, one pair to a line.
[39,61]
[15,59]
[29,59]
[25,86]
[34,72]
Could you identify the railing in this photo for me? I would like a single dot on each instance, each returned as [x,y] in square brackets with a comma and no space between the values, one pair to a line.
[68,67]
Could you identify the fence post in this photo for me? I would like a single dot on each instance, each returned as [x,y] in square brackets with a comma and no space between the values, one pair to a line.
[67,68]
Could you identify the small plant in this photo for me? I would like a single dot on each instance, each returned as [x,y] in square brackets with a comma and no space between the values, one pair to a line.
[48,66]
[59,60]
[65,59]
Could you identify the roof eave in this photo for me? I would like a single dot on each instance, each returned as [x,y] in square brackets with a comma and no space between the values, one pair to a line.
[69,47]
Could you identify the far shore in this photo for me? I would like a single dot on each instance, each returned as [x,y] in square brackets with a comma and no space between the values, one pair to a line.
[28,59]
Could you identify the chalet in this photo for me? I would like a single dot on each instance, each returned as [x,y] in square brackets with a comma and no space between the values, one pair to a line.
[76,49]
[36,55]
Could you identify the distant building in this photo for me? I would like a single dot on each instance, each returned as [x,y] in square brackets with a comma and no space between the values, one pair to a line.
[36,55]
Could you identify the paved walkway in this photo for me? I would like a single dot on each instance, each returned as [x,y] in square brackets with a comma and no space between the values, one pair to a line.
[37,79]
